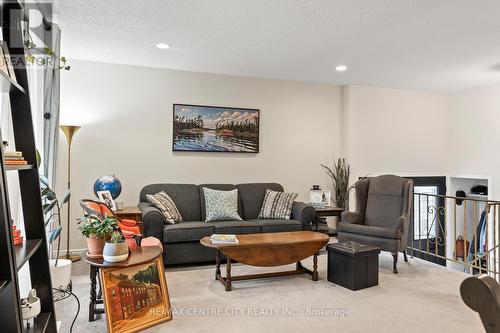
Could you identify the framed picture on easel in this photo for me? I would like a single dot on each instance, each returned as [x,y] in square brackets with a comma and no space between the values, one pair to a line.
[135,297]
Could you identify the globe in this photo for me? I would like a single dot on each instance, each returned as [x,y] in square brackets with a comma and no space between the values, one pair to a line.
[108,183]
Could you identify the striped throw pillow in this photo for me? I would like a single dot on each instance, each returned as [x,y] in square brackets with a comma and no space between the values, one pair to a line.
[166,205]
[277,205]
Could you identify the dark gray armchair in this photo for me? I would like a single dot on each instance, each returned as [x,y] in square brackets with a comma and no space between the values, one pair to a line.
[382,216]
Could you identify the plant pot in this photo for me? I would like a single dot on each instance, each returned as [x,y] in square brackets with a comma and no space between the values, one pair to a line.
[95,245]
[60,275]
[115,252]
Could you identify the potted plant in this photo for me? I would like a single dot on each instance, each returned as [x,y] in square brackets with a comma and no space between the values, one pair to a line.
[60,269]
[339,174]
[96,230]
[116,249]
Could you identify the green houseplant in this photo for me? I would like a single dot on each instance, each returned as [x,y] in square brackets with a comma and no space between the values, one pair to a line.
[115,249]
[339,174]
[96,230]
[60,269]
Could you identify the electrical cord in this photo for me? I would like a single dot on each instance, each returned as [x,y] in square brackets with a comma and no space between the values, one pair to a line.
[65,294]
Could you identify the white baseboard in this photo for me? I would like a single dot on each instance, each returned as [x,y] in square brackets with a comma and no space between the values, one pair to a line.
[74,251]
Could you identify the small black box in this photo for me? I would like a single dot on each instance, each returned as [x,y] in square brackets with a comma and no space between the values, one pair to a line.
[352,265]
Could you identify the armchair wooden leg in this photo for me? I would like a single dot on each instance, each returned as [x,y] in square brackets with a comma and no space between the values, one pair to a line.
[395,264]
[405,255]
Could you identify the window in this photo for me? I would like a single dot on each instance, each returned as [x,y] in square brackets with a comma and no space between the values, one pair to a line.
[423,221]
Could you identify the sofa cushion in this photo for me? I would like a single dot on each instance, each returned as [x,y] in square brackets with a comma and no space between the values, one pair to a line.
[369,230]
[166,205]
[252,197]
[277,205]
[219,187]
[221,205]
[274,225]
[236,227]
[191,231]
[185,196]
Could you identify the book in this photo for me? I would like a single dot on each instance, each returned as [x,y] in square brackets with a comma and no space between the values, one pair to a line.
[14,158]
[13,153]
[16,162]
[223,239]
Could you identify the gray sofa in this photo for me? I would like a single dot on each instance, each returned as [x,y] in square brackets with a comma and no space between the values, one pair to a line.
[181,241]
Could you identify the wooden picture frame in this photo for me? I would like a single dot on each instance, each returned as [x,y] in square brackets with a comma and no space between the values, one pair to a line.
[132,305]
[215,129]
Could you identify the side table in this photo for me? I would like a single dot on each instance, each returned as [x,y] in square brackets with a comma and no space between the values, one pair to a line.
[137,256]
[131,213]
[320,221]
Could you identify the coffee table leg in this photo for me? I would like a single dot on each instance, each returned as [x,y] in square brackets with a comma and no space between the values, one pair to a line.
[298,266]
[217,265]
[315,267]
[93,285]
[228,274]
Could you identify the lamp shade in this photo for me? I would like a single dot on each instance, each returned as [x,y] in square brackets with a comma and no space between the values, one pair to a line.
[69,131]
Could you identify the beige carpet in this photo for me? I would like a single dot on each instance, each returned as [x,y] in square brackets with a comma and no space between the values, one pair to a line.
[421,298]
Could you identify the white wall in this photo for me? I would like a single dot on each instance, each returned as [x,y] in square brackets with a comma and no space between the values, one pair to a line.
[396,131]
[474,135]
[126,118]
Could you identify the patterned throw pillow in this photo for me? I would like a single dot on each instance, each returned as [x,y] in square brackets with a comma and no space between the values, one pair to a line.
[166,205]
[277,205]
[221,205]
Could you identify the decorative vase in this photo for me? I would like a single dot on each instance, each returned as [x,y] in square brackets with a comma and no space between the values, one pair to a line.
[115,252]
[60,275]
[95,245]
[31,307]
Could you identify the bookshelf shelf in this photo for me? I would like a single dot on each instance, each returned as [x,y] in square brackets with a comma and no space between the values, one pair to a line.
[25,251]
[9,85]
[40,325]
[3,284]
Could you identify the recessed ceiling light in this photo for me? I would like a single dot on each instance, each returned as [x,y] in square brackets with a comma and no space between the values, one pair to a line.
[162,46]
[341,68]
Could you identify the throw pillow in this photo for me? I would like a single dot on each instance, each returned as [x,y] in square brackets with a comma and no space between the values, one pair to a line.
[221,205]
[277,205]
[166,205]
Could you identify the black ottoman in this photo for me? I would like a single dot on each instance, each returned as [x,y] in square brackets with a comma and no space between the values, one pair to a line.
[353,265]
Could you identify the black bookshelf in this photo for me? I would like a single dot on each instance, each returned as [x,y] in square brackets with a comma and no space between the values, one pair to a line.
[34,251]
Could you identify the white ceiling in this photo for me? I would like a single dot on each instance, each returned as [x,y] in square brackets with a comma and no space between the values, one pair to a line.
[434,45]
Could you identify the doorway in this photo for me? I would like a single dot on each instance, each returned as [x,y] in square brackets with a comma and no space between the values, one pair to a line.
[427,227]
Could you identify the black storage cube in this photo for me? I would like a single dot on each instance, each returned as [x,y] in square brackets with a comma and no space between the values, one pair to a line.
[352,265]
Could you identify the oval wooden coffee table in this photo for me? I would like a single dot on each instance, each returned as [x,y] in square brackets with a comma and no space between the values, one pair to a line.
[269,250]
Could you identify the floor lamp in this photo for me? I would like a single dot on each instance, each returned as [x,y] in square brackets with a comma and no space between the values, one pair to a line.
[69,131]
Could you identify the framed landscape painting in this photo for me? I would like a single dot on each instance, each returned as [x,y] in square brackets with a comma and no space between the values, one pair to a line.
[201,128]
[135,297]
